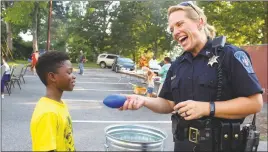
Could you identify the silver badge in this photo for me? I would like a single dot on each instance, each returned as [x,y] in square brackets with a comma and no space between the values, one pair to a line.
[212,60]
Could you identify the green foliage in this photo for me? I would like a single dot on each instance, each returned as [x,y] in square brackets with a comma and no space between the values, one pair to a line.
[141,25]
[242,22]
[22,50]
[21,16]
[19,13]
[131,28]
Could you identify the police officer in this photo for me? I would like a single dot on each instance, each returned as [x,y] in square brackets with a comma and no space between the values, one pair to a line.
[190,88]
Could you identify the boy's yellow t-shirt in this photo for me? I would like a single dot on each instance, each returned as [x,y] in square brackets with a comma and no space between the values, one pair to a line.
[51,126]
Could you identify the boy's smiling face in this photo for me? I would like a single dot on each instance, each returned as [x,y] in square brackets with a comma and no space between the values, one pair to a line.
[64,78]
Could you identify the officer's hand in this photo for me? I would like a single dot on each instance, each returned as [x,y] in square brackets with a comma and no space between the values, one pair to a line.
[192,109]
[133,102]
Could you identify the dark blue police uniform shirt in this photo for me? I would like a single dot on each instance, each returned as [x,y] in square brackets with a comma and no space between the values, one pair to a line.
[191,78]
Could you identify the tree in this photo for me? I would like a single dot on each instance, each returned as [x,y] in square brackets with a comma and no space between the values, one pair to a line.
[9,42]
[128,28]
[19,15]
[141,27]
[242,22]
[93,27]
[34,26]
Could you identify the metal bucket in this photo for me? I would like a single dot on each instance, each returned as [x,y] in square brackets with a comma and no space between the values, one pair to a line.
[134,138]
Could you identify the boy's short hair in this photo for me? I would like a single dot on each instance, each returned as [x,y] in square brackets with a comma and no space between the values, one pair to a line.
[168,59]
[50,62]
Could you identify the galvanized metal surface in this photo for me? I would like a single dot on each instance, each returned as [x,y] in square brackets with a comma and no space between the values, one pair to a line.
[134,138]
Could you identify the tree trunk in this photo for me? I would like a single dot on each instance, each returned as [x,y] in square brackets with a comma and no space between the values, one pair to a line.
[38,25]
[9,32]
[9,37]
[34,27]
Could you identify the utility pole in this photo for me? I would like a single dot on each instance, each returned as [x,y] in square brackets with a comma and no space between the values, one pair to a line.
[48,25]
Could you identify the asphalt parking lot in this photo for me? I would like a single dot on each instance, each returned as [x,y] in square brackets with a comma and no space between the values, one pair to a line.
[89,115]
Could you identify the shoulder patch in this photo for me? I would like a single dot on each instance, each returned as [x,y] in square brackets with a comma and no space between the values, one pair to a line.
[244,60]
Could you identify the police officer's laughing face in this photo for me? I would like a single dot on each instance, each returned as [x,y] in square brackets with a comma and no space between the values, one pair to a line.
[184,30]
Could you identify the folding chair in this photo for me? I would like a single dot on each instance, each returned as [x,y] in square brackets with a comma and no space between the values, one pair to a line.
[23,72]
[16,75]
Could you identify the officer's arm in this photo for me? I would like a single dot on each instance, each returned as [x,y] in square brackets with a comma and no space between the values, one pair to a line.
[244,84]
[245,106]
[159,105]
[164,102]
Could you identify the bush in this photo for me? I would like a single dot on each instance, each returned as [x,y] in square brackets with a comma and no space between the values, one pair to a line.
[22,50]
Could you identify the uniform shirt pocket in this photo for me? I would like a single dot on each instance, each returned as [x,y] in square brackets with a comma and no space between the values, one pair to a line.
[207,87]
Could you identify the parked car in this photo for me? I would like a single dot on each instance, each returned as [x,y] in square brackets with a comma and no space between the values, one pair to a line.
[106,60]
[125,63]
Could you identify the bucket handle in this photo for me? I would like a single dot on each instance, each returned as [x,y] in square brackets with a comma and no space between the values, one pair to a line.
[106,147]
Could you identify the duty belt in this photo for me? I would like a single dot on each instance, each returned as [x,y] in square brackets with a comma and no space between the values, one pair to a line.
[223,136]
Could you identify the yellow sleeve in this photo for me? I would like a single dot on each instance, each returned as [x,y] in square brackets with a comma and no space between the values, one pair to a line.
[46,133]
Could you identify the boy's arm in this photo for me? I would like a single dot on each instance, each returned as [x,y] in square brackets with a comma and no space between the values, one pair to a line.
[46,133]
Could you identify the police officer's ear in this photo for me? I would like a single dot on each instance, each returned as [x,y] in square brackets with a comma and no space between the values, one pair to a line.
[200,24]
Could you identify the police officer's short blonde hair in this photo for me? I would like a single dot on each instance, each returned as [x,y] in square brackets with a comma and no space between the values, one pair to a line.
[195,14]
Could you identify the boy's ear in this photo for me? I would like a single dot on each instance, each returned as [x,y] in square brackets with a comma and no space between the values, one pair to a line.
[51,77]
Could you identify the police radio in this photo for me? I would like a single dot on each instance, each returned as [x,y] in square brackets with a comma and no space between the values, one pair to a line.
[218,44]
[250,137]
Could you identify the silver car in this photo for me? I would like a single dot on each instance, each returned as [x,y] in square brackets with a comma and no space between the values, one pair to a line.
[106,60]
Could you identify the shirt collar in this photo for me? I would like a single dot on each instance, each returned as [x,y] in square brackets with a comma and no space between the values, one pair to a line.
[185,55]
[207,49]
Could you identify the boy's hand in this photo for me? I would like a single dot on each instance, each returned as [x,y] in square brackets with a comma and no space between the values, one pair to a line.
[133,102]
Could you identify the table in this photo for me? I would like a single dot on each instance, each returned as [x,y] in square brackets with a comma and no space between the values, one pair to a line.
[131,74]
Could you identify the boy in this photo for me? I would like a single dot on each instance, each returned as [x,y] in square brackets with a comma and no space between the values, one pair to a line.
[51,126]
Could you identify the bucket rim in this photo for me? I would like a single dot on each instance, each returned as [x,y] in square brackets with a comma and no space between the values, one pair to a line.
[138,125]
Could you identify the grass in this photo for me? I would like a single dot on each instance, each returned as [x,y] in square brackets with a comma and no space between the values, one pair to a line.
[75,65]
[87,65]
[263,138]
[17,62]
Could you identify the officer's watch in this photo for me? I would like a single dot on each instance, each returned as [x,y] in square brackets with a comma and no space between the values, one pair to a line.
[212,109]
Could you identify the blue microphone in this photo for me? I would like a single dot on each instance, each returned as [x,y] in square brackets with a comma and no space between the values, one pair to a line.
[114,101]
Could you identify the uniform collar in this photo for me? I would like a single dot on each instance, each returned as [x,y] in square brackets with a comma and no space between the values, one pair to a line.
[185,55]
[205,51]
